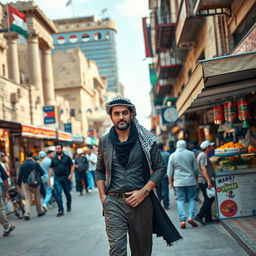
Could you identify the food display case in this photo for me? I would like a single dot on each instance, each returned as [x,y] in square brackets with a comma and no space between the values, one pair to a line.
[235,181]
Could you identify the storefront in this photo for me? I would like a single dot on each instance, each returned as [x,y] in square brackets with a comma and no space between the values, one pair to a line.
[34,138]
[8,130]
[223,91]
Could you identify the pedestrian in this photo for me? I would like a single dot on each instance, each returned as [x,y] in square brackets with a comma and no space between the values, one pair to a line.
[163,188]
[125,157]
[41,156]
[25,169]
[92,160]
[8,228]
[205,180]
[182,175]
[81,169]
[63,169]
[50,190]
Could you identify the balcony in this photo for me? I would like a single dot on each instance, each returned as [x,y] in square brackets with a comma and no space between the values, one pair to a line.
[165,31]
[187,25]
[163,87]
[212,7]
[167,66]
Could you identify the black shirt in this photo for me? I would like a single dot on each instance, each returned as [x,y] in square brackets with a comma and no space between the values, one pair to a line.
[3,173]
[26,168]
[61,166]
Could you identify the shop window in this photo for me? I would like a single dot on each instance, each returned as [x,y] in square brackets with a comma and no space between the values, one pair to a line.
[3,69]
[72,112]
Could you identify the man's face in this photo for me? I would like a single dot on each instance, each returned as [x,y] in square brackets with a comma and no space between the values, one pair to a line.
[58,150]
[121,117]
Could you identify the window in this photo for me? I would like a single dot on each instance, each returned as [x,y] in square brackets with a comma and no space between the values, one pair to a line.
[4,71]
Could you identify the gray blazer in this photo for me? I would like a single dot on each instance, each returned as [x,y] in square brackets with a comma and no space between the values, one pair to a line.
[104,162]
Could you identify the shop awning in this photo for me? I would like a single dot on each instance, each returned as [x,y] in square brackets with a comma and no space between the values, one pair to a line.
[216,80]
[12,126]
[38,132]
[64,136]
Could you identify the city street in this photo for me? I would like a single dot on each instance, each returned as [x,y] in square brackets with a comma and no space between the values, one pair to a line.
[82,232]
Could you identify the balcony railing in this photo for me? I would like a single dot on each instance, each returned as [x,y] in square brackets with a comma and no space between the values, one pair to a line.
[212,7]
[165,31]
[187,24]
[163,87]
[167,66]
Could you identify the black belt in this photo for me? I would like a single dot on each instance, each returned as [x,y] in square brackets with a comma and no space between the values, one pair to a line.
[118,195]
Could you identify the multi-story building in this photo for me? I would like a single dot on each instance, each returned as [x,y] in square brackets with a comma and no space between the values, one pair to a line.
[96,39]
[204,54]
[77,80]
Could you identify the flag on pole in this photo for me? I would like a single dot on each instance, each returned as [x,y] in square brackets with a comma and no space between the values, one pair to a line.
[69,2]
[17,21]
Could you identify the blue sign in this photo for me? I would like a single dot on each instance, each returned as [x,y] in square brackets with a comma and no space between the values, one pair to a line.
[49,115]
[169,115]
[68,127]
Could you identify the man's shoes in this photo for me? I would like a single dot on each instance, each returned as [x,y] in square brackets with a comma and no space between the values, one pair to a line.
[60,214]
[200,220]
[183,224]
[211,221]
[192,223]
[26,218]
[69,208]
[40,214]
[9,230]
[45,208]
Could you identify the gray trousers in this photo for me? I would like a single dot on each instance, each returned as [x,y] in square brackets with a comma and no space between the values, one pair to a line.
[120,219]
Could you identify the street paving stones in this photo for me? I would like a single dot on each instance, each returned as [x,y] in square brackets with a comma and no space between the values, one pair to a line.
[82,233]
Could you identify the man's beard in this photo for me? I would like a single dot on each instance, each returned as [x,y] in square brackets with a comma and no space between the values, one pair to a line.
[59,153]
[123,128]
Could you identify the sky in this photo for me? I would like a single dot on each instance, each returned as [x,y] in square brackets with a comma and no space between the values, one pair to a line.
[133,67]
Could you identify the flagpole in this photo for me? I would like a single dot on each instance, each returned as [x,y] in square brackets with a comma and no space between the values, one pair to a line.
[8,21]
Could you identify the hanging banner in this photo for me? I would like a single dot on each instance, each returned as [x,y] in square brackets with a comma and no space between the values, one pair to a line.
[68,127]
[169,115]
[49,115]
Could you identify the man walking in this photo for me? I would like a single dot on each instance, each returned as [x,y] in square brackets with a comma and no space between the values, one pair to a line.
[50,190]
[25,169]
[163,188]
[205,180]
[3,219]
[81,168]
[92,160]
[182,174]
[63,168]
[125,156]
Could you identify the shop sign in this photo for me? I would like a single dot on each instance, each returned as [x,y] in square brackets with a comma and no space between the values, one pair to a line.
[37,132]
[68,127]
[49,115]
[236,195]
[169,115]
[64,136]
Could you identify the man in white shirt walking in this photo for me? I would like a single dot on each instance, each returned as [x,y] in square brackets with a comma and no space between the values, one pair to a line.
[92,160]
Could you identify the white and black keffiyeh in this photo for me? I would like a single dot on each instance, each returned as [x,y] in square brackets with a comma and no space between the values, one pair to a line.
[146,138]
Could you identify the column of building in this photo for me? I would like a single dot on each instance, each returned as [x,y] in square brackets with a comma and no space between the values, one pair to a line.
[47,73]
[12,55]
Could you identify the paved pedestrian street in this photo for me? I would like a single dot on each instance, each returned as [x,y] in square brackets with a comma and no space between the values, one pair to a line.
[82,233]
